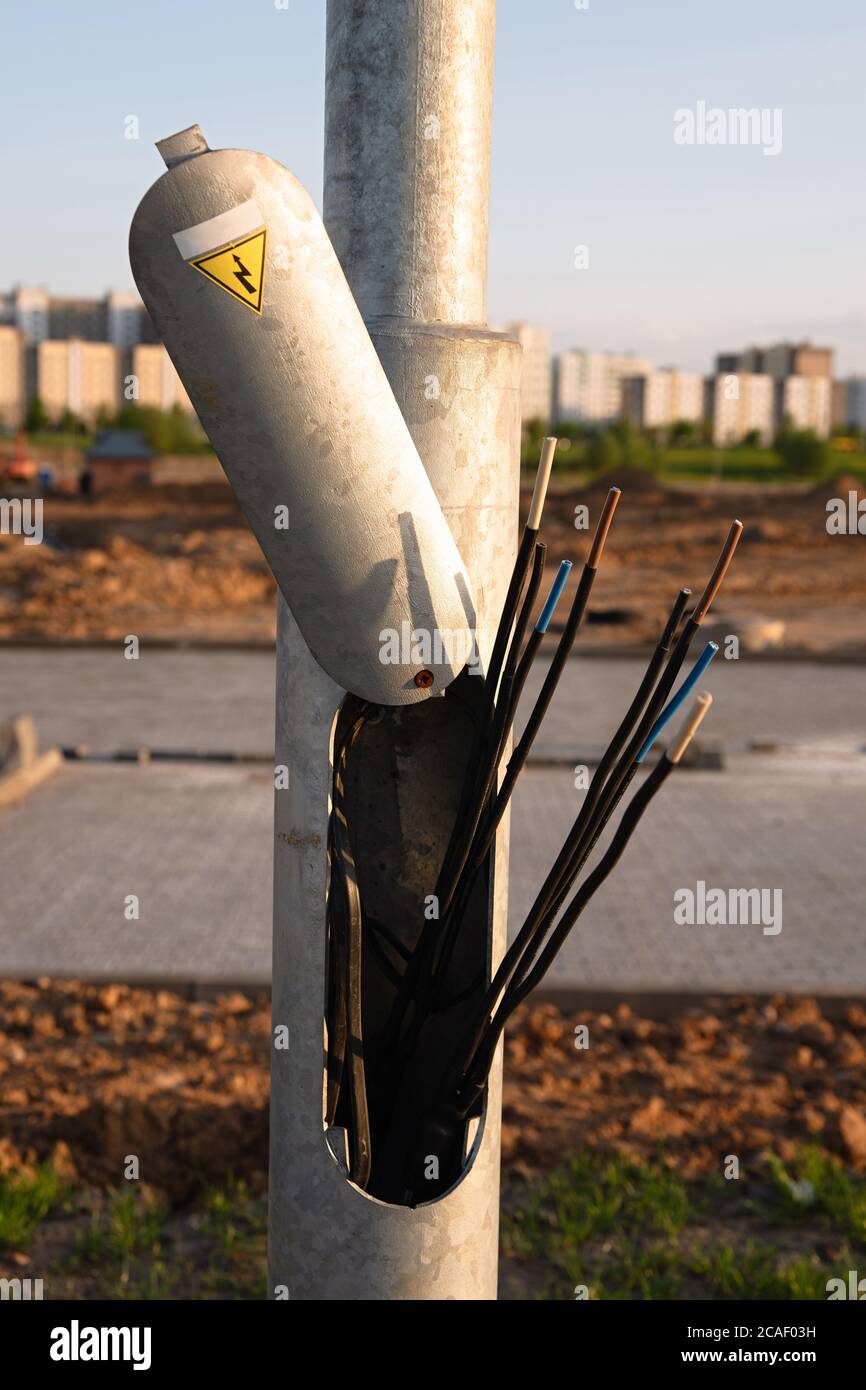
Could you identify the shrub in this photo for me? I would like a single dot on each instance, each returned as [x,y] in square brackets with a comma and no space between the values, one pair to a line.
[802,452]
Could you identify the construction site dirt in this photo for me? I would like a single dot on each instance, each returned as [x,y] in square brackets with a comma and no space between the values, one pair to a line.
[179,564]
[96,1076]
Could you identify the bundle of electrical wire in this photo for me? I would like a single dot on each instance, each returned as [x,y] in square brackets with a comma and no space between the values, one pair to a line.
[421,985]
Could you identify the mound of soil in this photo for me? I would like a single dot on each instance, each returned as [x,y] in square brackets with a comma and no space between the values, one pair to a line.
[178,562]
[839,486]
[92,1074]
[628,479]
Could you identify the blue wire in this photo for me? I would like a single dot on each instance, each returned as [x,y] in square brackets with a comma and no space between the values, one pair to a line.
[556,589]
[681,695]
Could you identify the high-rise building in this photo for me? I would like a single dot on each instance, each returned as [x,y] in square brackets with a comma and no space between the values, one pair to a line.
[849,402]
[12,378]
[856,401]
[26,309]
[116,318]
[740,402]
[805,403]
[778,361]
[156,381]
[120,319]
[798,359]
[81,377]
[76,318]
[659,399]
[754,360]
[588,385]
[127,322]
[536,382]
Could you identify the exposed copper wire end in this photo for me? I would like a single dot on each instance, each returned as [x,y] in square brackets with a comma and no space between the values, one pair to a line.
[601,530]
[717,577]
[542,478]
[689,727]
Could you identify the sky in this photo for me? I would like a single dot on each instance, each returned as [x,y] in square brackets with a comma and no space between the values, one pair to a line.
[692,249]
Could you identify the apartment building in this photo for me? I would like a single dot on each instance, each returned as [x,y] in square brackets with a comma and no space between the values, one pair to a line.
[26,309]
[588,385]
[536,382]
[12,377]
[119,319]
[81,377]
[158,384]
[661,398]
[115,318]
[126,322]
[805,403]
[849,402]
[739,402]
[76,318]
[798,360]
[778,361]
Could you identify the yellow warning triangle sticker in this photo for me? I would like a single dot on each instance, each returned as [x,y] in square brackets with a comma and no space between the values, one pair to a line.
[238,268]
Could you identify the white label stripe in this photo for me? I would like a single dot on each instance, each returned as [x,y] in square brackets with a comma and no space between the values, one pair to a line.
[218,231]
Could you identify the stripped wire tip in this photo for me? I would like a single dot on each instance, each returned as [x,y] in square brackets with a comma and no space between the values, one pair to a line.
[542,478]
[714,583]
[689,727]
[556,589]
[679,697]
[601,530]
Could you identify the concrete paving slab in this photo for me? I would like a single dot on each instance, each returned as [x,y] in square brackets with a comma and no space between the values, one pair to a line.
[225,699]
[170,699]
[194,844]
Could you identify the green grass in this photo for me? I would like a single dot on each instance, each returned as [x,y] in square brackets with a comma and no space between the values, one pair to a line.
[230,1216]
[732,465]
[135,1250]
[234,1224]
[130,1226]
[56,439]
[126,1244]
[125,1241]
[640,1231]
[818,1187]
[702,463]
[623,1229]
[747,466]
[756,1271]
[25,1201]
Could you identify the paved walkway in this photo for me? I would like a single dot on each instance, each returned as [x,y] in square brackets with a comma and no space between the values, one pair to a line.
[225,700]
[194,842]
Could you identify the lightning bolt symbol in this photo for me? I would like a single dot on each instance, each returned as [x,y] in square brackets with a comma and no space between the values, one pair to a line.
[243,275]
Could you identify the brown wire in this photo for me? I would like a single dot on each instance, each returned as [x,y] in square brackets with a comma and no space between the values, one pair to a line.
[714,583]
[601,530]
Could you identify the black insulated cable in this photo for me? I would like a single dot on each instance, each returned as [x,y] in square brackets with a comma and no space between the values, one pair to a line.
[605,795]
[348,921]
[477,1070]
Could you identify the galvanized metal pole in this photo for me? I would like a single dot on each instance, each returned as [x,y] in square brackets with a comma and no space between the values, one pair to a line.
[408,108]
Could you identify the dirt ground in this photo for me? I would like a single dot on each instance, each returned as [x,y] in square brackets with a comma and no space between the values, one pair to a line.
[94,1074]
[180,563]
